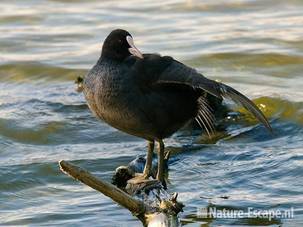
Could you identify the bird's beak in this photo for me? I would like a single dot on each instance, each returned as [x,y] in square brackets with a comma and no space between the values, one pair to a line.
[133,49]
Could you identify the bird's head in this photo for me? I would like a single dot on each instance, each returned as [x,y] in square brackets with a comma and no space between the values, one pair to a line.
[119,45]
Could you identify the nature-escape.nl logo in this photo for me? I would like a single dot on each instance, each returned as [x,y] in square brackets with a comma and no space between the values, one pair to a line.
[250,212]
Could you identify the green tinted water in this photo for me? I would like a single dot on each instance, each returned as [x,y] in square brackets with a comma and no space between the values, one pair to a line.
[255,46]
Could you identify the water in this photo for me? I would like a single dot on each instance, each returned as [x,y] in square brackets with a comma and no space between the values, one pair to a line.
[255,46]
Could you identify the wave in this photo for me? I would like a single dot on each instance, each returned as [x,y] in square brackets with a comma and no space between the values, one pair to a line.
[246,59]
[277,108]
[34,71]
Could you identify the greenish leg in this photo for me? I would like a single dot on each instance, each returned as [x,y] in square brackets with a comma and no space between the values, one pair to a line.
[149,159]
[160,174]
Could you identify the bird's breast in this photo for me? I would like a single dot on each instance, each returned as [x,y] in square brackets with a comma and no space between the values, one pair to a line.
[110,97]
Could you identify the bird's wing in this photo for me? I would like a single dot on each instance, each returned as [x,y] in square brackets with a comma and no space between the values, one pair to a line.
[178,73]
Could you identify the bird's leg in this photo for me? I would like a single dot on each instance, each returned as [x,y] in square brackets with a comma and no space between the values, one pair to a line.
[149,159]
[160,174]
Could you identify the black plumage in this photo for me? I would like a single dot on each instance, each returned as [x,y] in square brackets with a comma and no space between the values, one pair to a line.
[152,96]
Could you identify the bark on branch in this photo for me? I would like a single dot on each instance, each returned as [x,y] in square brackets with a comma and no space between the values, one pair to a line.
[163,214]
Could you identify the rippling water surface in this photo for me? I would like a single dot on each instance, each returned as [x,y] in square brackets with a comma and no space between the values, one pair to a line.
[255,46]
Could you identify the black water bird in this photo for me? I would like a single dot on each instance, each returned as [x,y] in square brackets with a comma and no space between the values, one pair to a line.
[152,96]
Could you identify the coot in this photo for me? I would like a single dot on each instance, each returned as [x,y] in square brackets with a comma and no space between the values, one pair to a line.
[152,96]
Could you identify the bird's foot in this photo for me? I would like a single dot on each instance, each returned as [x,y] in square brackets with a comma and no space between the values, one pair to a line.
[141,183]
[141,177]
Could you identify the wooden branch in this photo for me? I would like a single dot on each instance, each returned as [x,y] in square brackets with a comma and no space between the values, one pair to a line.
[157,208]
[135,206]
